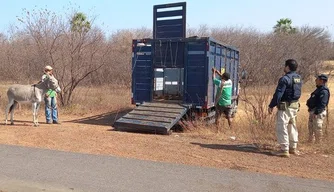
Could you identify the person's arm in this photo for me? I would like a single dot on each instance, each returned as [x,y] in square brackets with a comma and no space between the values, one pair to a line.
[218,72]
[213,73]
[321,106]
[280,89]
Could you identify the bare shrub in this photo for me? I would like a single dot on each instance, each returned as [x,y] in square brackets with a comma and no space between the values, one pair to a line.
[120,67]
[263,56]
[75,54]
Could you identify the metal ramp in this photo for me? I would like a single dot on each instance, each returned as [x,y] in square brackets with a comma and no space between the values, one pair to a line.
[152,117]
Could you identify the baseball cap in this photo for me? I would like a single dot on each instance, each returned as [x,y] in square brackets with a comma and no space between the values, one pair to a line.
[47,68]
[322,77]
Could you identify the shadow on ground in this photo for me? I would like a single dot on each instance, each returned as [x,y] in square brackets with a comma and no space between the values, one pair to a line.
[106,119]
[23,123]
[250,148]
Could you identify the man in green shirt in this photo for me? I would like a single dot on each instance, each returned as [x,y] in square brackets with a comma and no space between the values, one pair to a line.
[51,112]
[223,98]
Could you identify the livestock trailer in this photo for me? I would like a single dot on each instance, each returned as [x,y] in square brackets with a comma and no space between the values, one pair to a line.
[172,76]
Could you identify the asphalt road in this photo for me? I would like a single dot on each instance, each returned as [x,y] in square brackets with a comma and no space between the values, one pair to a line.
[33,170]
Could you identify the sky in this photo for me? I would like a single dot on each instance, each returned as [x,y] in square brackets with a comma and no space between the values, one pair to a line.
[121,14]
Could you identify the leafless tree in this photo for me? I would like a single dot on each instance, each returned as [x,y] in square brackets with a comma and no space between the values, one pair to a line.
[74,48]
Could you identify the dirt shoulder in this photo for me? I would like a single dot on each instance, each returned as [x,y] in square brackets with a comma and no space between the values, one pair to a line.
[85,135]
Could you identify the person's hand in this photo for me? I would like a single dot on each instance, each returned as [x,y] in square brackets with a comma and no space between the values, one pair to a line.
[270,110]
[213,70]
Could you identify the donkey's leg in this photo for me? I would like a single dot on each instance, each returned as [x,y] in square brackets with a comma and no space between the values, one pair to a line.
[34,113]
[10,103]
[12,108]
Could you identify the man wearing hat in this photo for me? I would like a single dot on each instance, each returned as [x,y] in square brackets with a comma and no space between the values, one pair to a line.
[51,112]
[317,104]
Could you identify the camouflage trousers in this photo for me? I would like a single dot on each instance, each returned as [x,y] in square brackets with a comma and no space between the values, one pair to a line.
[286,128]
[315,126]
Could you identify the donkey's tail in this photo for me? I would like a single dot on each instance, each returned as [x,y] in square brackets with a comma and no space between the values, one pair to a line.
[13,106]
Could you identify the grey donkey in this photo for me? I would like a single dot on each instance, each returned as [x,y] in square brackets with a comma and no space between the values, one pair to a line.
[29,93]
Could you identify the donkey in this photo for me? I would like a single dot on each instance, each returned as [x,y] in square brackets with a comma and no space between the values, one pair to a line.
[29,93]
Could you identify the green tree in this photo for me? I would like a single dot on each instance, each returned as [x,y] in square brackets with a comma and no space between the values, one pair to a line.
[79,23]
[284,26]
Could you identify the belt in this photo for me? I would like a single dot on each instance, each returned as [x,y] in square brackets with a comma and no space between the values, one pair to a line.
[293,101]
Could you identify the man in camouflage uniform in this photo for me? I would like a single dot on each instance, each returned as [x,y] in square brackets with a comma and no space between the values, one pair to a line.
[317,104]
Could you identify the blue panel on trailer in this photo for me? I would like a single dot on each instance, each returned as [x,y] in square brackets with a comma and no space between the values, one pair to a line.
[196,46]
[143,81]
[218,62]
[211,63]
[223,57]
[236,80]
[232,54]
[219,56]
[223,51]
[218,50]
[168,54]
[141,72]
[139,67]
[169,13]
[172,34]
[174,22]
[196,60]
[236,75]
[212,48]
[143,49]
[142,61]
[196,73]
[171,26]
[237,55]
[142,95]
[228,53]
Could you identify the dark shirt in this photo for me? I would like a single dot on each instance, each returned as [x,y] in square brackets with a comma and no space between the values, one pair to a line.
[319,99]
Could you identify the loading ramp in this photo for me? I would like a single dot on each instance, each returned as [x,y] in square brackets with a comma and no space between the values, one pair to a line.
[152,117]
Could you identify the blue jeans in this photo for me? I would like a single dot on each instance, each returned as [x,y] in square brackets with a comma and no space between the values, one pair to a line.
[51,109]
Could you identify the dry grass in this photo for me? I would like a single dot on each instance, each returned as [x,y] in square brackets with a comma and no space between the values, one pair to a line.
[95,100]
[246,129]
[87,101]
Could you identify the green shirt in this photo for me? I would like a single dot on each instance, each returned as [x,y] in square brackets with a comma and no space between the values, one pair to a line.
[226,94]
[50,92]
